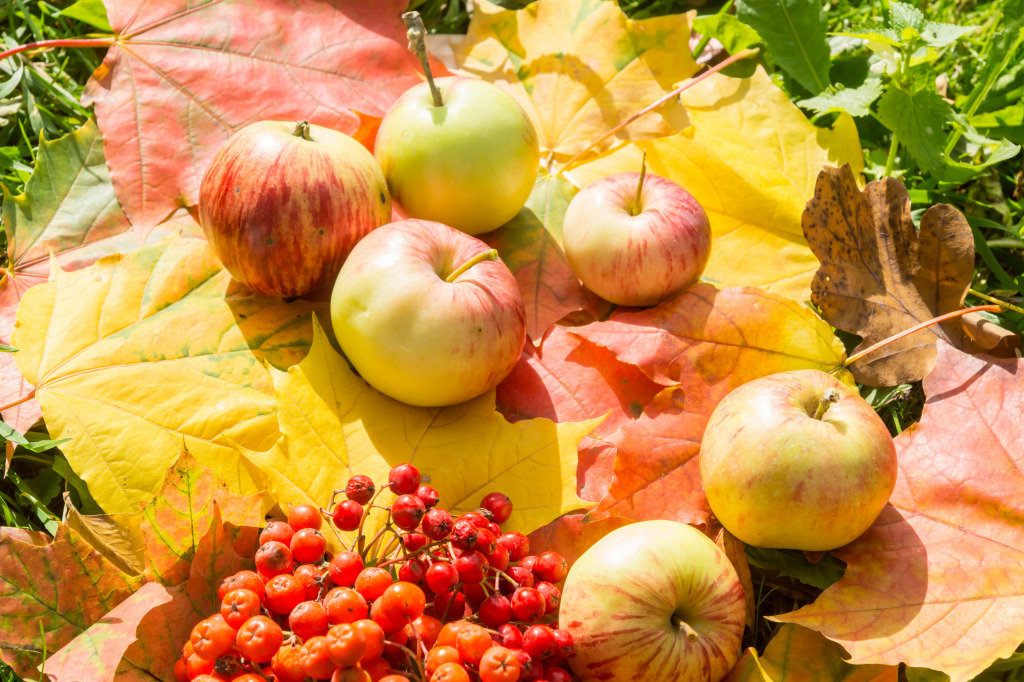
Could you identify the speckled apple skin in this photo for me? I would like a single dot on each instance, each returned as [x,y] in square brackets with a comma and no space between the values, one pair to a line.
[776,477]
[621,594]
[416,337]
[282,212]
[642,259]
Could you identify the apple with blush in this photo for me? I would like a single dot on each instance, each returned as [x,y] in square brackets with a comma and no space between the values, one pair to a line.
[653,600]
[636,239]
[282,204]
[797,460]
[427,314]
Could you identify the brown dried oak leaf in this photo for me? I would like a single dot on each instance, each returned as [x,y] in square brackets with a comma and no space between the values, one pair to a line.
[880,276]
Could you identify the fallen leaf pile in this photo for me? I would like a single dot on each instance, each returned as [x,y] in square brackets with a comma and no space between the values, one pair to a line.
[136,345]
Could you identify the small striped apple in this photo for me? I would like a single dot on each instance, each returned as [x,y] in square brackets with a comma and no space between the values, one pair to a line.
[636,248]
[654,600]
[282,204]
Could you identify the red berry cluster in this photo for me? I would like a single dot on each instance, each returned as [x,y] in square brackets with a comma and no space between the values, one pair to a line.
[430,598]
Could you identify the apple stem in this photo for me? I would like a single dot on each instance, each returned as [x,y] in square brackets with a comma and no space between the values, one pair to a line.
[918,327]
[418,45]
[302,130]
[830,397]
[637,208]
[478,258]
[691,634]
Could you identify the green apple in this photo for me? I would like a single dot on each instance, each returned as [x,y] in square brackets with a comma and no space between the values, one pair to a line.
[797,460]
[427,314]
[469,163]
[654,600]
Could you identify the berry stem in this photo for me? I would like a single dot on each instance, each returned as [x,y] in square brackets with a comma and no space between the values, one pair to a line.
[637,209]
[418,45]
[918,327]
[478,258]
[362,521]
[828,398]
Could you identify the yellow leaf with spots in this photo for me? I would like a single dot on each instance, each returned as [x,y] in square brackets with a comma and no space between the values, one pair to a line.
[580,67]
[751,158]
[142,354]
[335,425]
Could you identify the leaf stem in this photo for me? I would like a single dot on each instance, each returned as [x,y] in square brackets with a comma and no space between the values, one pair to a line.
[637,209]
[48,44]
[19,401]
[891,161]
[918,327]
[478,258]
[990,299]
[418,45]
[743,54]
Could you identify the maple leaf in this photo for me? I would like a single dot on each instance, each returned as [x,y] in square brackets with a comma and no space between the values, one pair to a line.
[187,539]
[335,425]
[750,157]
[700,345]
[68,209]
[579,67]
[880,276]
[935,582]
[55,586]
[141,638]
[140,353]
[796,654]
[566,379]
[181,76]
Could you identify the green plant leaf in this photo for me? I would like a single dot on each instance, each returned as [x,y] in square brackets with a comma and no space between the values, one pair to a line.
[90,12]
[855,101]
[793,564]
[918,119]
[794,31]
[728,30]
[941,35]
[10,435]
[904,18]
[4,348]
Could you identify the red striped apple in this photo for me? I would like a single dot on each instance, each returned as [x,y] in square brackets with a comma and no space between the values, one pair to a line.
[797,460]
[654,600]
[282,204]
[427,314]
[636,248]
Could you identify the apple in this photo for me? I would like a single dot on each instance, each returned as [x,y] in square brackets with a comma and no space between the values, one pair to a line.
[282,204]
[427,314]
[797,460]
[470,163]
[654,600]
[636,248]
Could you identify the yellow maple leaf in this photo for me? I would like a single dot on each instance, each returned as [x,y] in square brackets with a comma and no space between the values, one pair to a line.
[335,425]
[751,158]
[580,67]
[144,353]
